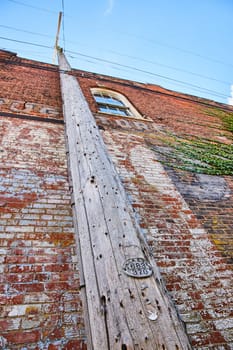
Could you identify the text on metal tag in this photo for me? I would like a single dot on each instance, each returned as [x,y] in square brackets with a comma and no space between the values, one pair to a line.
[137,267]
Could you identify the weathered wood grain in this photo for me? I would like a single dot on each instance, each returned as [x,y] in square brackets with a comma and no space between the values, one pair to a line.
[124,312]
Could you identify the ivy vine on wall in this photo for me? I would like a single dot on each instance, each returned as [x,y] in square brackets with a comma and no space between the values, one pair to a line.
[226,118]
[196,155]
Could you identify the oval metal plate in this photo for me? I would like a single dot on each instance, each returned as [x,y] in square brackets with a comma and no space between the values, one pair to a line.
[137,267]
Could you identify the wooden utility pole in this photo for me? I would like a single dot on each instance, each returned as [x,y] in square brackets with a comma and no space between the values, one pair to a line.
[57,37]
[126,305]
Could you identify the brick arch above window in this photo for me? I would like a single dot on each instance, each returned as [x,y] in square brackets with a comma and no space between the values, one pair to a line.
[114,103]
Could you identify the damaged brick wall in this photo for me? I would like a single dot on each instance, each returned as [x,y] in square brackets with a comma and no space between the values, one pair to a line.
[195,272]
[187,217]
[39,289]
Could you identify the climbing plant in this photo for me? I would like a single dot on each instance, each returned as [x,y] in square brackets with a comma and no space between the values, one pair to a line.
[226,117]
[196,155]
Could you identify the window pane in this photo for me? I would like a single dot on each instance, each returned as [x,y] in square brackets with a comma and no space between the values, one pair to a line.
[119,112]
[113,110]
[101,99]
[115,102]
[108,103]
[103,108]
[108,100]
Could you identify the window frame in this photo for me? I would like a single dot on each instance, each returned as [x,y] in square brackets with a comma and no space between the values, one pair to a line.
[122,109]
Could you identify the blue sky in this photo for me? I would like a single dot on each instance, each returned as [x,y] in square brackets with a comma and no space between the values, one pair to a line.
[182,45]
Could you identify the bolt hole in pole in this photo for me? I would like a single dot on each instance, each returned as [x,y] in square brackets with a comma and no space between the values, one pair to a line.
[123,347]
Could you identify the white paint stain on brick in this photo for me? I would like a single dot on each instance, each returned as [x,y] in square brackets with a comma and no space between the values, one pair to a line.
[224,324]
[146,164]
[36,298]
[17,310]
[19,183]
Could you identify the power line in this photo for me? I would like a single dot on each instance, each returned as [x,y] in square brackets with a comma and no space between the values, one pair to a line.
[25,31]
[136,36]
[173,94]
[34,7]
[178,49]
[171,67]
[146,72]
[26,42]
[121,54]
[121,69]
[214,93]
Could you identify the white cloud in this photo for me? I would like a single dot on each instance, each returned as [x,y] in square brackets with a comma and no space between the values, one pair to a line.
[109,8]
[230,99]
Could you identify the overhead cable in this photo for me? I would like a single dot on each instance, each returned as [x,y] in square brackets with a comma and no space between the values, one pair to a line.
[178,49]
[215,93]
[146,72]
[143,87]
[123,55]
[26,42]
[34,7]
[25,31]
[153,41]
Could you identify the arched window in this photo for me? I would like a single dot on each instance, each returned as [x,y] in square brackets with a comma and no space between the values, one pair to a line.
[112,102]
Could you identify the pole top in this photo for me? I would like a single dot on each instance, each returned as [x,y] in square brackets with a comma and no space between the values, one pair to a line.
[56,47]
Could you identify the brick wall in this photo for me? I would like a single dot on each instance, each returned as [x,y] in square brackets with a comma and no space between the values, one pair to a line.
[185,216]
[195,272]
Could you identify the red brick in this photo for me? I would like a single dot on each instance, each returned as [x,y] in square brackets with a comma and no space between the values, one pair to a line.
[75,345]
[21,337]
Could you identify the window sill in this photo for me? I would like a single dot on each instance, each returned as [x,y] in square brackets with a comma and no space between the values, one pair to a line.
[147,119]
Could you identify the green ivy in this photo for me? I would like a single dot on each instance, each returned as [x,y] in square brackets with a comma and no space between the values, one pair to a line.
[226,117]
[201,156]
